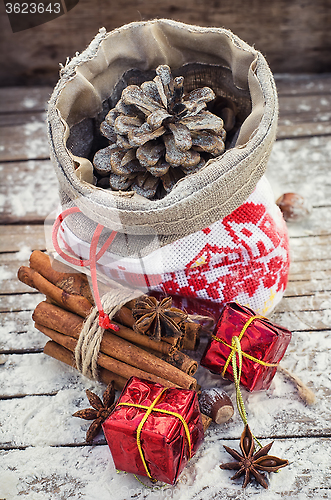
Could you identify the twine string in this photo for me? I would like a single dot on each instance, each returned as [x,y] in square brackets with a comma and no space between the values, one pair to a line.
[90,337]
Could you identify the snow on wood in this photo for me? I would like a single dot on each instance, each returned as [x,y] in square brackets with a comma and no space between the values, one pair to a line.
[28,192]
[88,472]
[17,237]
[43,450]
[24,139]
[19,99]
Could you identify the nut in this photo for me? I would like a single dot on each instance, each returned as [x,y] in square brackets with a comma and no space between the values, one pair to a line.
[293,206]
[216,404]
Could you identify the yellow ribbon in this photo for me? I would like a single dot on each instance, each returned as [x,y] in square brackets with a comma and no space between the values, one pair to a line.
[236,348]
[149,410]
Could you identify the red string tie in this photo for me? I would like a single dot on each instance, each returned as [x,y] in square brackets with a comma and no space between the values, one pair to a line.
[104,320]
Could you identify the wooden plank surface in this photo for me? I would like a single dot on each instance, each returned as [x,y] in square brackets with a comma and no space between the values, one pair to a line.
[24,138]
[42,448]
[24,100]
[20,302]
[33,193]
[67,470]
[294,36]
[15,238]
[311,156]
[304,85]
[304,115]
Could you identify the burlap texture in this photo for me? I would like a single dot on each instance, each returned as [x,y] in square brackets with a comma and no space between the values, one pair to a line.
[198,200]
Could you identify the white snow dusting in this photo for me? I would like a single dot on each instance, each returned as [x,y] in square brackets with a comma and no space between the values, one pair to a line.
[46,468]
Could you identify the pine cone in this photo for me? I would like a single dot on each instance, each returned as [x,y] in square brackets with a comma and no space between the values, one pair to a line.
[158,135]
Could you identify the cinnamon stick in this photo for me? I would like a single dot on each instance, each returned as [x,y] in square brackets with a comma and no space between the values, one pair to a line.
[76,303]
[71,290]
[115,347]
[55,318]
[66,278]
[133,355]
[143,340]
[191,339]
[56,287]
[111,364]
[131,304]
[60,353]
[124,316]
[67,322]
[178,359]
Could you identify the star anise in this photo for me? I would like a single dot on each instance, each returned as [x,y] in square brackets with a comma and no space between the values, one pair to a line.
[250,463]
[158,319]
[100,411]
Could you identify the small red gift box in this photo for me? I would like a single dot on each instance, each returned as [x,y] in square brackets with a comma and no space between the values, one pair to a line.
[262,344]
[154,431]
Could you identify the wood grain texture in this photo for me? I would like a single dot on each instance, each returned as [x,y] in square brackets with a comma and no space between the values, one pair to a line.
[304,115]
[298,288]
[23,137]
[66,472]
[42,448]
[294,36]
[301,166]
[319,301]
[284,414]
[15,238]
[299,268]
[23,100]
[20,302]
[33,191]
[9,265]
[305,84]
[310,247]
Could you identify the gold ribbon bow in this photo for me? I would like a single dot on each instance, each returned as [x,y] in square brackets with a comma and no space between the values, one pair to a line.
[149,410]
[236,348]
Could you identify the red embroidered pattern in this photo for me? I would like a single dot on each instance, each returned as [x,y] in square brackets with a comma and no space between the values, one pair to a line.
[259,260]
[243,257]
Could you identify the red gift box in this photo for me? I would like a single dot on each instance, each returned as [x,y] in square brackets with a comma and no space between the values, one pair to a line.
[192,305]
[157,437]
[262,343]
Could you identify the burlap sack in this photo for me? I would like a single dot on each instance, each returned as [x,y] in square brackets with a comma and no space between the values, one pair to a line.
[91,84]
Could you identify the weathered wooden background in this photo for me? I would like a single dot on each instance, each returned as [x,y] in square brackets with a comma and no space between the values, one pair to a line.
[43,455]
[295,35]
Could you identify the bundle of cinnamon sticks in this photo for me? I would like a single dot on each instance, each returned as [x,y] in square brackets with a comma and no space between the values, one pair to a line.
[123,353]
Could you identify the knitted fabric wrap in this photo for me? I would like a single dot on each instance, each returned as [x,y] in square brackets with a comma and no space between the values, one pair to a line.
[192,215]
[243,257]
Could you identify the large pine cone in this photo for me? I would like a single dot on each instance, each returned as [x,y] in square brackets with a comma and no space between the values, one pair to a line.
[158,135]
